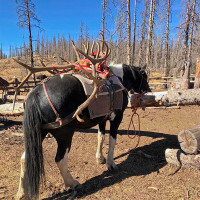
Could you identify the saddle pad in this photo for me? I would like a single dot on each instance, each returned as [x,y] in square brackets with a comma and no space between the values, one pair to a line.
[110,98]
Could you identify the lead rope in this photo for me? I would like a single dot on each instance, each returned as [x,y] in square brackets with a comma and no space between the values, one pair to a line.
[134,106]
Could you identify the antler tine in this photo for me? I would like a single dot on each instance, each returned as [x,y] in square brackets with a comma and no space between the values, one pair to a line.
[43,65]
[98,49]
[94,61]
[86,103]
[86,47]
[64,60]
[39,69]
[92,47]
[108,50]
[75,49]
[91,98]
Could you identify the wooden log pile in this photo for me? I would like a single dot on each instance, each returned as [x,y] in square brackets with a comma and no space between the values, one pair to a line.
[189,154]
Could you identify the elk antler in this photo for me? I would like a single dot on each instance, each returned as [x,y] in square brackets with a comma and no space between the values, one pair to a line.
[96,82]
[33,71]
[86,47]
[94,61]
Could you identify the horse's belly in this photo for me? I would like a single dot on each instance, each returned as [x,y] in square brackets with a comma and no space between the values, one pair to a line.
[88,123]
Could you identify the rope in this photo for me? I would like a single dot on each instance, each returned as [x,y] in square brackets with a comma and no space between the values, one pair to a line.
[134,107]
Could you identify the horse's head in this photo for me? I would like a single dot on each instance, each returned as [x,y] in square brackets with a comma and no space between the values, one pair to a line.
[140,82]
[132,77]
[135,78]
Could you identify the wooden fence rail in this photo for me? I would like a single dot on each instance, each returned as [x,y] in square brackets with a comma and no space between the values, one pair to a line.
[153,82]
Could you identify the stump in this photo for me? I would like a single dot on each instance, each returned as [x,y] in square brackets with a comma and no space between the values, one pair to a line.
[178,158]
[190,140]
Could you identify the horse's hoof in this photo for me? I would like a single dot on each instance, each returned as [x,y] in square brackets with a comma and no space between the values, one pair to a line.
[19,197]
[112,167]
[101,160]
[78,186]
[75,185]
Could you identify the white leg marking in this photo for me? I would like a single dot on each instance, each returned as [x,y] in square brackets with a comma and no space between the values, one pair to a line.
[110,161]
[99,154]
[67,177]
[20,193]
[112,116]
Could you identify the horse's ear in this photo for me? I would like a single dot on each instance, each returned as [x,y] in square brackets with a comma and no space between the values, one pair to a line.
[143,68]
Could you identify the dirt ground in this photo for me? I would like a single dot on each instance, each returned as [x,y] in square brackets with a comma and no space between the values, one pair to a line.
[142,172]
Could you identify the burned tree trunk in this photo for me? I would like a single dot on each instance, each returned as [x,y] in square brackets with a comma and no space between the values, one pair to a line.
[128,45]
[150,33]
[166,62]
[197,75]
[178,158]
[185,76]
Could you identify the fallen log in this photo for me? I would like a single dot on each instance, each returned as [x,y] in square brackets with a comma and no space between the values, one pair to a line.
[169,98]
[7,109]
[148,99]
[190,140]
[178,158]
[11,97]
[181,97]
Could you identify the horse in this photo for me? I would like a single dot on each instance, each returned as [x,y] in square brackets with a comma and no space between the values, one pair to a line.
[41,77]
[3,83]
[66,93]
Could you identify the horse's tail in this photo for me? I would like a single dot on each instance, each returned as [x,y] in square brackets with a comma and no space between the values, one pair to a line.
[34,167]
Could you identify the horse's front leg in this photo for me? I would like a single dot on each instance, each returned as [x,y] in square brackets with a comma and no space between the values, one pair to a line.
[101,137]
[114,125]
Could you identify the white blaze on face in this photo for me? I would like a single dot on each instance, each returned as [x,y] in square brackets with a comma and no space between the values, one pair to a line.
[62,75]
[117,69]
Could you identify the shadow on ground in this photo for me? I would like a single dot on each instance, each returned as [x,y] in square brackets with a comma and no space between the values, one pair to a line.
[136,164]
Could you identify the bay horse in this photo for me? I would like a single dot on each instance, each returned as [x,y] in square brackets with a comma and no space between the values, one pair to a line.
[3,83]
[66,93]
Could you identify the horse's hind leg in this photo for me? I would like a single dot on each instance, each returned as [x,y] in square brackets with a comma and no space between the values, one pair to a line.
[64,139]
[114,125]
[20,193]
[101,137]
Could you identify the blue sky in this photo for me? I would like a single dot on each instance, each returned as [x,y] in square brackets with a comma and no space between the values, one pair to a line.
[57,17]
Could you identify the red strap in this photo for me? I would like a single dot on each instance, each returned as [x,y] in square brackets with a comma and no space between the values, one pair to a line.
[54,110]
